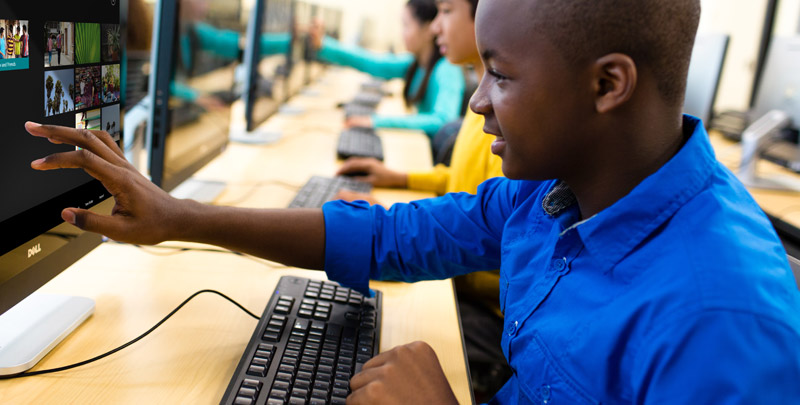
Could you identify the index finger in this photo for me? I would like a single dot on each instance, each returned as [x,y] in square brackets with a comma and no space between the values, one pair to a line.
[97,142]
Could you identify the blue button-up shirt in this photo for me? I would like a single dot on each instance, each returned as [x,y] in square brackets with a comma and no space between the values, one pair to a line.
[680,292]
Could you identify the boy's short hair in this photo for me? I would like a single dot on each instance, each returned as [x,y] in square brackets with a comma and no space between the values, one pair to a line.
[658,34]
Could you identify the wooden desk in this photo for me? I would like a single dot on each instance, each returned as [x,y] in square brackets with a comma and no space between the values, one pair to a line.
[191,358]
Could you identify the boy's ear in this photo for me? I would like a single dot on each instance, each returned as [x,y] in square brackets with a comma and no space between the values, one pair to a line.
[614,79]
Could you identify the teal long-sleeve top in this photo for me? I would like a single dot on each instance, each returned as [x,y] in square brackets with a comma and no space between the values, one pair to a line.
[442,101]
[223,44]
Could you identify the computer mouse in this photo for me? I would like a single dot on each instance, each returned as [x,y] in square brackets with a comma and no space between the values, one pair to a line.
[355,174]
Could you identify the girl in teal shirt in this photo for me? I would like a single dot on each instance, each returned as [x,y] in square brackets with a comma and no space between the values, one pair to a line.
[433,85]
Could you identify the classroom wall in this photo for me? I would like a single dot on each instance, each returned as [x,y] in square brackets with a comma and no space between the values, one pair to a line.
[377,22]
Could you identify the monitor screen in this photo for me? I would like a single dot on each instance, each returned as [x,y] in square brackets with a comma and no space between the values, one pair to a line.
[272,64]
[196,53]
[60,65]
[705,69]
[780,83]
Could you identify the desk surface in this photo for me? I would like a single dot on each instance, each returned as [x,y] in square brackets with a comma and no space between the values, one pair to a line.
[192,356]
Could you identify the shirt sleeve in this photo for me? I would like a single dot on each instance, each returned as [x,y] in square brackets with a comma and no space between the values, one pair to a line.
[445,95]
[428,239]
[384,66]
[223,43]
[434,180]
[719,357]
[275,43]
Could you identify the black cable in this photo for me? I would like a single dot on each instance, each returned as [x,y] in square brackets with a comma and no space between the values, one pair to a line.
[140,337]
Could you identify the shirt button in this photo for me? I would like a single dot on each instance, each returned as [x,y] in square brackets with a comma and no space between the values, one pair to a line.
[511,329]
[560,264]
[545,391]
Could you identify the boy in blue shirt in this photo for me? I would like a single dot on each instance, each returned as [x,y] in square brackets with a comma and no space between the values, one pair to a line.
[644,274]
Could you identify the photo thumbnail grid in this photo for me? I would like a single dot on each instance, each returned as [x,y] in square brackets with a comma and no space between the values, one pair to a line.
[91,87]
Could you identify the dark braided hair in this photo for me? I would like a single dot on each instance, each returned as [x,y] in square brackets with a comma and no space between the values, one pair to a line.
[423,11]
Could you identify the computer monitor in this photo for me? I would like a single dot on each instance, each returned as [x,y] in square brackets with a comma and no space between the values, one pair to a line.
[197,46]
[779,88]
[301,55]
[61,68]
[705,70]
[267,65]
[776,112]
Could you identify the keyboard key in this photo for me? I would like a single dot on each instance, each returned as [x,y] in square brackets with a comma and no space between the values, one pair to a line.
[341,384]
[297,401]
[279,394]
[305,313]
[256,370]
[273,401]
[282,309]
[304,384]
[318,401]
[243,401]
[251,383]
[271,337]
[260,361]
[338,400]
[284,377]
[266,346]
[280,385]
[300,393]
[247,393]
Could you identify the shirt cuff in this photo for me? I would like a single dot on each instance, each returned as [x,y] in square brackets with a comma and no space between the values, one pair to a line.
[348,244]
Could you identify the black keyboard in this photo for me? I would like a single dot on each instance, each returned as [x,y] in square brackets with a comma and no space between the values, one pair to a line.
[358,110]
[367,99]
[319,190]
[313,336]
[360,142]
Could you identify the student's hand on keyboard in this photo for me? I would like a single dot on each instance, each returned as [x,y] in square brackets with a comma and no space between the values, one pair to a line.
[359,121]
[408,374]
[375,173]
[348,195]
[143,213]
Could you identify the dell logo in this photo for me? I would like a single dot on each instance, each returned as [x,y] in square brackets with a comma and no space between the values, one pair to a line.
[34,250]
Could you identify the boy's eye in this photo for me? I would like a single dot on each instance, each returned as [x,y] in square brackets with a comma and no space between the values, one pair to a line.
[496,75]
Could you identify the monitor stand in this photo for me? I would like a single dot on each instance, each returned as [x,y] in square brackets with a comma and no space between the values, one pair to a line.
[203,191]
[34,326]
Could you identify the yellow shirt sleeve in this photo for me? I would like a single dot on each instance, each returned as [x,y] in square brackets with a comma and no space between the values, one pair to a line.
[472,162]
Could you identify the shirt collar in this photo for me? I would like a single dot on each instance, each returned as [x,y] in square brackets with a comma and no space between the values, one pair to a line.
[614,232]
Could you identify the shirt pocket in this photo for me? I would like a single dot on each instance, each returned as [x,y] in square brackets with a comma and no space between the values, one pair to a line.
[544,381]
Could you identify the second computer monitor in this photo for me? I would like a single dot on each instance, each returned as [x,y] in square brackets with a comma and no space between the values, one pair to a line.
[267,61]
[196,50]
[779,88]
[708,57]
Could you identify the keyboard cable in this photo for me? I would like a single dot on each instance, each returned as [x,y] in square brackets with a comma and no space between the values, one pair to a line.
[140,337]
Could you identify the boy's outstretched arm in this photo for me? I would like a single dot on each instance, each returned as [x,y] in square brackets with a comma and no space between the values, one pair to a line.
[145,214]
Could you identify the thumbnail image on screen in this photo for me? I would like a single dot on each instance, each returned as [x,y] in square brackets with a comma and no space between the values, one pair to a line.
[88,84]
[110,40]
[59,44]
[59,90]
[87,43]
[110,121]
[89,119]
[111,83]
[14,45]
